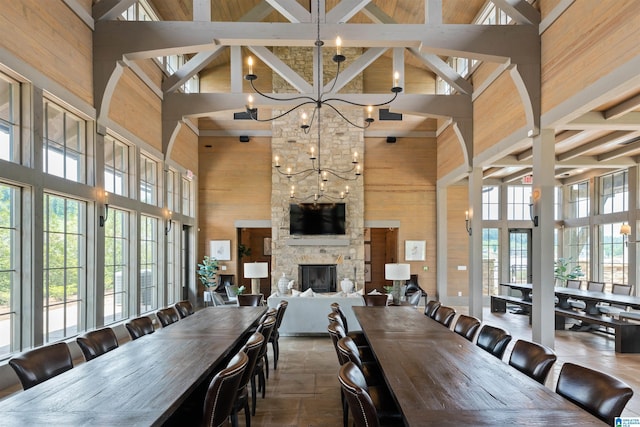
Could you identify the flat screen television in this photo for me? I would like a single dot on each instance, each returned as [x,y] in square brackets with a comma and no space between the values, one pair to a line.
[317,219]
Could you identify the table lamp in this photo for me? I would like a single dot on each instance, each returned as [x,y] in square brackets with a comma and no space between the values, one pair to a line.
[256,271]
[399,273]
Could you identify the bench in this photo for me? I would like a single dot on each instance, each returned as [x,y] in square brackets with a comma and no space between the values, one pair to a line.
[627,333]
[499,303]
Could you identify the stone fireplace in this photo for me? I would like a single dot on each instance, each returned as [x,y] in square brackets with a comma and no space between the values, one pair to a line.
[318,277]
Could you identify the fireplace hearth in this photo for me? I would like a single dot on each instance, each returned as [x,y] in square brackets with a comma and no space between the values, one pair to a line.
[318,277]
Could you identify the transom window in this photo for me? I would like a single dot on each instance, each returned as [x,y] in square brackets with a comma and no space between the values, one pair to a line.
[518,199]
[148,263]
[9,119]
[116,167]
[614,192]
[490,202]
[578,202]
[64,144]
[64,266]
[148,180]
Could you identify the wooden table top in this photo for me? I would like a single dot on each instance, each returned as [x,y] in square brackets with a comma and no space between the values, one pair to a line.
[140,383]
[583,294]
[439,378]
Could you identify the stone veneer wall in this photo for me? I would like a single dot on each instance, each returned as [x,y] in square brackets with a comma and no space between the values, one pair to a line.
[338,142]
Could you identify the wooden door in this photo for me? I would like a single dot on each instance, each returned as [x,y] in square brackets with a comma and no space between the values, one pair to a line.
[253,240]
[384,250]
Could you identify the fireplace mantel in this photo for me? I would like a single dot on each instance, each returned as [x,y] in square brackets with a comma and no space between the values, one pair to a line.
[318,241]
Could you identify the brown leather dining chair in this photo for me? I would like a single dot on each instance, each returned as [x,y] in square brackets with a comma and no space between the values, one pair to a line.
[431,308]
[252,349]
[375,300]
[167,316]
[493,340]
[367,409]
[222,391]
[275,335]
[250,300]
[596,392]
[139,327]
[467,326]
[184,308]
[40,364]
[262,364]
[357,336]
[444,315]
[96,343]
[350,353]
[532,359]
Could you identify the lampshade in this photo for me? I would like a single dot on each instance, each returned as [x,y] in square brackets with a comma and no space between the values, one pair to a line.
[256,270]
[625,229]
[397,271]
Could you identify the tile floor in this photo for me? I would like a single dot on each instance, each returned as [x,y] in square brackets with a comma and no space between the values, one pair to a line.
[304,391]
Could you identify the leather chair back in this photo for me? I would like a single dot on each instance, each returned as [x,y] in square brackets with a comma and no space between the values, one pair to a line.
[222,391]
[431,308]
[281,309]
[40,364]
[184,308]
[532,359]
[252,349]
[167,316]
[356,392]
[338,310]
[598,393]
[444,315]
[494,340]
[375,300]
[349,351]
[139,327]
[467,326]
[96,343]
[336,332]
[250,300]
[266,328]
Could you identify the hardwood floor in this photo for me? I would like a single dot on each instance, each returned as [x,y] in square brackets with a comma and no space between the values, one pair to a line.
[304,391]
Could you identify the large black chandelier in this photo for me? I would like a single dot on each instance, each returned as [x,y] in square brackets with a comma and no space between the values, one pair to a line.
[323,173]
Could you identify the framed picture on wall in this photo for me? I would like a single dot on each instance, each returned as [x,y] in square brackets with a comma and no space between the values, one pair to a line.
[266,246]
[367,252]
[414,250]
[220,249]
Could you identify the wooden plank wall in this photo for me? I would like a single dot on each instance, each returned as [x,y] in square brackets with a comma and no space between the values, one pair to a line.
[589,40]
[458,241]
[53,40]
[234,184]
[185,149]
[450,154]
[400,184]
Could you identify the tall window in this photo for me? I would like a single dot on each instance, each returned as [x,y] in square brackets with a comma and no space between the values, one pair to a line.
[578,200]
[490,260]
[9,119]
[64,266]
[9,264]
[188,203]
[116,266]
[64,144]
[173,194]
[518,199]
[490,202]
[116,167]
[614,193]
[148,180]
[173,264]
[139,11]
[576,241]
[148,263]
[557,207]
[613,255]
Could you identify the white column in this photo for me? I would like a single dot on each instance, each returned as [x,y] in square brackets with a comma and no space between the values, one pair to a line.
[543,310]
[475,243]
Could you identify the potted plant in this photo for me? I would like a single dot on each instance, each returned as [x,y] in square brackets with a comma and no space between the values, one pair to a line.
[563,271]
[207,272]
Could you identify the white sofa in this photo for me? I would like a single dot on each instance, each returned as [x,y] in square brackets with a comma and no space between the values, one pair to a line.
[308,315]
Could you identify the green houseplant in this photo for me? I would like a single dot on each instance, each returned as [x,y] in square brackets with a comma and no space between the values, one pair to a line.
[564,271]
[207,271]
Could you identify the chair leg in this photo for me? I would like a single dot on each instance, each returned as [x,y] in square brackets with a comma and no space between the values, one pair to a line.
[266,365]
[247,414]
[263,384]
[345,410]
[253,395]
[276,354]
[234,419]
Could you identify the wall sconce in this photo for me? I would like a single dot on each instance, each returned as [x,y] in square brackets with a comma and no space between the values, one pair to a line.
[625,230]
[535,196]
[105,202]
[466,222]
[169,223]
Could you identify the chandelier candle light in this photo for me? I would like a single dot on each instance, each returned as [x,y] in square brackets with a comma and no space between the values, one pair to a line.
[323,173]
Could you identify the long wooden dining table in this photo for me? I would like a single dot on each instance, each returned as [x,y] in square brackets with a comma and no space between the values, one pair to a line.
[438,378]
[140,383]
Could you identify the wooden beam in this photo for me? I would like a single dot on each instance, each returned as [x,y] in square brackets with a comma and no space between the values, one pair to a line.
[354,69]
[345,10]
[105,10]
[607,140]
[622,151]
[518,175]
[596,120]
[519,10]
[291,10]
[202,10]
[622,108]
[282,69]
